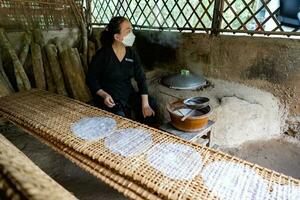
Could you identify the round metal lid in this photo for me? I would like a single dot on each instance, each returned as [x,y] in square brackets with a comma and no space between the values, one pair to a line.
[184,81]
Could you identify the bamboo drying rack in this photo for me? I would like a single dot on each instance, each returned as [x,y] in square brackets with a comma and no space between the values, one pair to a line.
[49,116]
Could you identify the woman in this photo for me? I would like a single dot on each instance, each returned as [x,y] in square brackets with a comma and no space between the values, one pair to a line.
[110,72]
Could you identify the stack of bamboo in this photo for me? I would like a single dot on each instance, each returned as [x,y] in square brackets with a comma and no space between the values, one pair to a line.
[20,178]
[56,66]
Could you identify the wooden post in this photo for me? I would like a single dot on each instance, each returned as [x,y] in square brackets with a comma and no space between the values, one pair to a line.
[56,69]
[21,77]
[37,66]
[217,17]
[89,14]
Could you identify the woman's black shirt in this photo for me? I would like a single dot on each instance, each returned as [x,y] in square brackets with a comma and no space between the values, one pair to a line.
[108,73]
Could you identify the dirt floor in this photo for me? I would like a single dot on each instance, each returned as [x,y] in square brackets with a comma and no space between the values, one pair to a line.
[282,155]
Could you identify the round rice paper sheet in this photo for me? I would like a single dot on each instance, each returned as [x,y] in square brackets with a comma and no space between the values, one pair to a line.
[129,142]
[93,128]
[229,180]
[176,161]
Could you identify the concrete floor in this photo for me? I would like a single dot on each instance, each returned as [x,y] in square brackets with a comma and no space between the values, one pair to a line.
[282,155]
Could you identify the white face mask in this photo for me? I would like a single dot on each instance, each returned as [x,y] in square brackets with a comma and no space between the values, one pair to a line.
[128,40]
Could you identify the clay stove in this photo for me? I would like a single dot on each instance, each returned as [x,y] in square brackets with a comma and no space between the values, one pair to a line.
[188,121]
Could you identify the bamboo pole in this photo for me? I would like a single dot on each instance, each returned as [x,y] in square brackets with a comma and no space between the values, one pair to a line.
[37,66]
[56,69]
[21,77]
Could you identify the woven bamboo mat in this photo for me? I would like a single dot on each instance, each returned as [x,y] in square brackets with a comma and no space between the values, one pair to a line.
[128,188]
[20,178]
[50,116]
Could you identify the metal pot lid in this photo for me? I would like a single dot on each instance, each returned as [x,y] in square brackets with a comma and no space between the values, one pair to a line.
[184,81]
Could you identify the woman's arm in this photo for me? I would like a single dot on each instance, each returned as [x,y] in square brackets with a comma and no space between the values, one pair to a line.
[145,101]
[140,78]
[94,71]
[146,109]
[139,75]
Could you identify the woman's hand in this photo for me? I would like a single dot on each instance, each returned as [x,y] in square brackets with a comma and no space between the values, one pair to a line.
[107,99]
[147,111]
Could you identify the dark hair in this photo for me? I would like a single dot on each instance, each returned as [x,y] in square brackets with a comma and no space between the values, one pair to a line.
[113,27]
